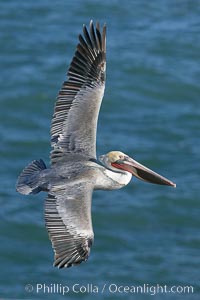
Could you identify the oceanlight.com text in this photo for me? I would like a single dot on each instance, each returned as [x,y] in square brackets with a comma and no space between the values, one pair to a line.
[111,288]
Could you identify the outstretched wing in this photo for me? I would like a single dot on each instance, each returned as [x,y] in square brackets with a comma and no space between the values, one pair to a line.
[77,107]
[69,224]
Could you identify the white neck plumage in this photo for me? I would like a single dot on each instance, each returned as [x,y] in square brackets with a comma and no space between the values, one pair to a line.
[111,180]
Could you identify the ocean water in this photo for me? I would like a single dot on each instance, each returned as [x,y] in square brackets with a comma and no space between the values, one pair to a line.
[145,235]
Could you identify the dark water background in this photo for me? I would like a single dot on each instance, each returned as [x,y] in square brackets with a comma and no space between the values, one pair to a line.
[144,234]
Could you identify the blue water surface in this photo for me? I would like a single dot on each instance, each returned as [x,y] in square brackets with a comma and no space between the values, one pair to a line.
[145,235]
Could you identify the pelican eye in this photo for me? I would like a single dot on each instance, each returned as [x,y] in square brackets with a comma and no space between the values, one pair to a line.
[122,156]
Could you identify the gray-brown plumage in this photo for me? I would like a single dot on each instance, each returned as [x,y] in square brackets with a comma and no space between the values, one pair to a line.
[74,130]
[75,172]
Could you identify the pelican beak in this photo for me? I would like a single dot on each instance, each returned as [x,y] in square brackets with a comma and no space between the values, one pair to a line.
[142,172]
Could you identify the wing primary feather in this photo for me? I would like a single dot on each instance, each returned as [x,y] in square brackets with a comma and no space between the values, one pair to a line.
[98,26]
[93,35]
[99,41]
[87,36]
[104,38]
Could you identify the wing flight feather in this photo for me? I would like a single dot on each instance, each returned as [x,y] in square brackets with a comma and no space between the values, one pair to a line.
[74,122]
[69,224]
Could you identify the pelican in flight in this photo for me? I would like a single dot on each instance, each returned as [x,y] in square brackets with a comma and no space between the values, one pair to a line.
[75,170]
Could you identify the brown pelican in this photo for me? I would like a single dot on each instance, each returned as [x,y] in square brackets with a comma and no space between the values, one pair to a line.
[75,171]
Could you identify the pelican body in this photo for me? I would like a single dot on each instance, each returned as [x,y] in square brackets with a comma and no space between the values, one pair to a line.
[75,171]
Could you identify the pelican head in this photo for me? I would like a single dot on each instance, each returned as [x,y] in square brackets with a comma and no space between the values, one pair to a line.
[119,162]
